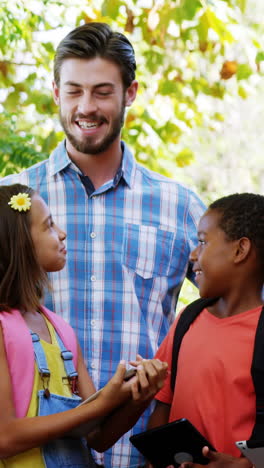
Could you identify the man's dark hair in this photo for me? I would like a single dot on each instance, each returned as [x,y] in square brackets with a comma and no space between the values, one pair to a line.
[22,279]
[242,215]
[97,40]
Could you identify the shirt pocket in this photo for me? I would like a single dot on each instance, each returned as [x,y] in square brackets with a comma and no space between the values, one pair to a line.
[147,250]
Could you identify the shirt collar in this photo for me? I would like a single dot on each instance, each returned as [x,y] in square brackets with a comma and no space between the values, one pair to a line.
[128,165]
[59,160]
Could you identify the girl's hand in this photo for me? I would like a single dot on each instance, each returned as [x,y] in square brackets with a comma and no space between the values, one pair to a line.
[116,391]
[220,460]
[142,387]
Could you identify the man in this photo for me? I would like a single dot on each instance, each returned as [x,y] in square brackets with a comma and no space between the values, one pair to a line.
[129,230]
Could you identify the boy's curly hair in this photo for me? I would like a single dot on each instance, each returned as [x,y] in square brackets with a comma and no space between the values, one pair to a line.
[242,215]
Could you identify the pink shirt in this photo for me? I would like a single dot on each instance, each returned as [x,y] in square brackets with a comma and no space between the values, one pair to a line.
[20,353]
[214,387]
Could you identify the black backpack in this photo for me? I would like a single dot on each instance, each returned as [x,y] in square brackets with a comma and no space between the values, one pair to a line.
[257,368]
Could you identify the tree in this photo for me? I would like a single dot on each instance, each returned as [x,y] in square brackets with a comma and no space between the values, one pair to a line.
[188,51]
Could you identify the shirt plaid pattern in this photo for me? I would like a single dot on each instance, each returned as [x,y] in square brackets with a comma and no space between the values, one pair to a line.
[128,247]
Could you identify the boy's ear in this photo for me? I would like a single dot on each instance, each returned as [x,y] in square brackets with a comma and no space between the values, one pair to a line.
[243,248]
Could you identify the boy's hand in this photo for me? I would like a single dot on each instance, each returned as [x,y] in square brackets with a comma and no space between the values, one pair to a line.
[151,374]
[220,460]
[142,387]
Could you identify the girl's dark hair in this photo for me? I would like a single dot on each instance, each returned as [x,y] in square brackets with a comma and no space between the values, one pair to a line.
[242,215]
[97,40]
[22,280]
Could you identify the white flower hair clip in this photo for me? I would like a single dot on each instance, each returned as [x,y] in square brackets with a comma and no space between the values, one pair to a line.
[20,202]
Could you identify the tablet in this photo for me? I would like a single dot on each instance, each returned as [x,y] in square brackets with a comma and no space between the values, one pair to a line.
[172,444]
[253,450]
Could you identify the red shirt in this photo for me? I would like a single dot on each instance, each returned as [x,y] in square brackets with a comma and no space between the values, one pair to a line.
[214,387]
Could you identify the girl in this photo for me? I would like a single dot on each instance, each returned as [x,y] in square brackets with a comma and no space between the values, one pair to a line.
[43,375]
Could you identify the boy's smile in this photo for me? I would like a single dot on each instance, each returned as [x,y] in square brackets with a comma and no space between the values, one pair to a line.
[213,257]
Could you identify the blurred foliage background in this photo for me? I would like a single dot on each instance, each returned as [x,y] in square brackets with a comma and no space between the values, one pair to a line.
[199,113]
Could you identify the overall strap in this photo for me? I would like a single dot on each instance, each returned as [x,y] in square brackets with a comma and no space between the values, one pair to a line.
[41,362]
[257,372]
[67,357]
[187,317]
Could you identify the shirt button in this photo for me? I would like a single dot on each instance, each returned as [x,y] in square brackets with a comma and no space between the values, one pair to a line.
[93,278]
[93,322]
[93,365]
[92,235]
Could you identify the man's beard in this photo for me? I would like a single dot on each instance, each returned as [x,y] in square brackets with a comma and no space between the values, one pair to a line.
[86,146]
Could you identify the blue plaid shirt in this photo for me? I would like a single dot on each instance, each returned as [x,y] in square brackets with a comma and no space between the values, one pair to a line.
[128,246]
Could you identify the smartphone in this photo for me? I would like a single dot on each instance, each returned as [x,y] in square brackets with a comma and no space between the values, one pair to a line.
[172,444]
[130,373]
[253,450]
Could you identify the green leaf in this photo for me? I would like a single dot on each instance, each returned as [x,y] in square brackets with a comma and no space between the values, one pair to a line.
[12,101]
[219,117]
[185,157]
[202,28]
[154,58]
[243,71]
[189,8]
[217,91]
[49,47]
[218,26]
[260,57]
[170,88]
[242,4]
[111,8]
[242,92]
[170,131]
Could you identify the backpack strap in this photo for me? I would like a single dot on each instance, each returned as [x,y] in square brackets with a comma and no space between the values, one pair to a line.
[257,372]
[187,317]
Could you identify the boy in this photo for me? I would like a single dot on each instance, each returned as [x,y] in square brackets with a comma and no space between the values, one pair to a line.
[214,387]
